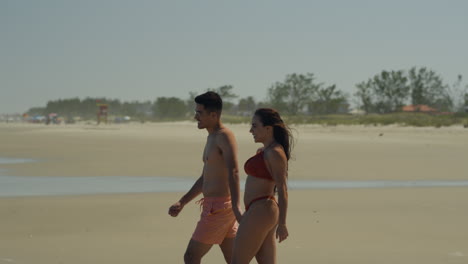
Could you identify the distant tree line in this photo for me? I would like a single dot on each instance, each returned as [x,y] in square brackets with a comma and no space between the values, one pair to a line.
[87,108]
[388,91]
[298,94]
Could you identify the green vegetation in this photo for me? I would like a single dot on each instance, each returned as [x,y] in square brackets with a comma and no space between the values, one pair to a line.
[300,93]
[389,91]
[403,119]
[303,100]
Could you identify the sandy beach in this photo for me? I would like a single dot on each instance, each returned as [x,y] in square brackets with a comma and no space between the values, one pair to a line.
[362,225]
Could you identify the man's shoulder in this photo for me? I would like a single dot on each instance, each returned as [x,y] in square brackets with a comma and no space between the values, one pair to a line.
[224,132]
[225,135]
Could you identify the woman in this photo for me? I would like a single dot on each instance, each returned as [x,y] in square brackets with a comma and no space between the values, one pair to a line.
[264,218]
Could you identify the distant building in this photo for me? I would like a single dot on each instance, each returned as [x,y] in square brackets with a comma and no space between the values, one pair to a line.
[357,111]
[418,108]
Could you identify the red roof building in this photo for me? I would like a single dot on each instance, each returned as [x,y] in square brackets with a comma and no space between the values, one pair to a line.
[418,108]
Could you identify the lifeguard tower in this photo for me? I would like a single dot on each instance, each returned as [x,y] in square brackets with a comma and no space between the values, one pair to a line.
[102,112]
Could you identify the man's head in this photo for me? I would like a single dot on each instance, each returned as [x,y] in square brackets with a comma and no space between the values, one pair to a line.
[208,109]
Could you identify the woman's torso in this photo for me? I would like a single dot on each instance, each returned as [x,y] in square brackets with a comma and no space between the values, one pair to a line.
[259,180]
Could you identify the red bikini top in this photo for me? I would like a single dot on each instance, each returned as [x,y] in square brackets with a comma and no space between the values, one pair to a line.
[256,167]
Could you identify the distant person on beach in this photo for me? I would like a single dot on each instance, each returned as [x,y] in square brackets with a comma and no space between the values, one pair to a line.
[219,184]
[267,171]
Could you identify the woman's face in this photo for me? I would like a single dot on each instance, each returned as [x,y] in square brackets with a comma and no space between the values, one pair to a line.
[258,130]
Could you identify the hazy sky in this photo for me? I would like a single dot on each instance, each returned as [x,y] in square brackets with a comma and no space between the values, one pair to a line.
[141,50]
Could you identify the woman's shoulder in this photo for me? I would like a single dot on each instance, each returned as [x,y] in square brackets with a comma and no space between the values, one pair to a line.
[275,153]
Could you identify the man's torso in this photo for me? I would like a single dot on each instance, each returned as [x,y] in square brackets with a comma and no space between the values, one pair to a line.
[215,174]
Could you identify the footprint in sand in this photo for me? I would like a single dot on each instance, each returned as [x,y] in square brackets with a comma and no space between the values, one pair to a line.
[456,254]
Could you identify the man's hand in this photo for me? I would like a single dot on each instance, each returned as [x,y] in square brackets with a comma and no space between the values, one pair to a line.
[175,209]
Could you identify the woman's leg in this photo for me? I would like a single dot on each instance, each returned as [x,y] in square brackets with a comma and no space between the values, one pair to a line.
[255,226]
[267,252]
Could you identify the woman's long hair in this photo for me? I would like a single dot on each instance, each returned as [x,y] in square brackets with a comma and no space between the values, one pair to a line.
[281,132]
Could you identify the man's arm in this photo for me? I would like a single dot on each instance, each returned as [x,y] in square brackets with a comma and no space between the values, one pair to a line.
[196,189]
[227,144]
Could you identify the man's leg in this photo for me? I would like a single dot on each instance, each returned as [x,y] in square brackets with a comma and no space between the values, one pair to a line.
[195,251]
[226,248]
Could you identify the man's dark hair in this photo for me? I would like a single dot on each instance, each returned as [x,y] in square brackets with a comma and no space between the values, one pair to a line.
[211,101]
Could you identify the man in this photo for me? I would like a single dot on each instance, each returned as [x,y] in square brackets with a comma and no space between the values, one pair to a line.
[219,184]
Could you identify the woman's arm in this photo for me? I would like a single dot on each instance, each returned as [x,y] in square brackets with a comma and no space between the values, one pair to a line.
[277,163]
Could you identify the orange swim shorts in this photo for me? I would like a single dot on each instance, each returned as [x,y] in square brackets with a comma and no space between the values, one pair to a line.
[217,221]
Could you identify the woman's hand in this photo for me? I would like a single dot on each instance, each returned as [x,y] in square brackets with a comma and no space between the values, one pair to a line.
[238,214]
[282,232]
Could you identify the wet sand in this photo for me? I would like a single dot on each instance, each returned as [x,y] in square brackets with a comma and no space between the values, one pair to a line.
[394,225]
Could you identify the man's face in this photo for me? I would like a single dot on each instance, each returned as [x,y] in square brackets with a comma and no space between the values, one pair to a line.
[203,116]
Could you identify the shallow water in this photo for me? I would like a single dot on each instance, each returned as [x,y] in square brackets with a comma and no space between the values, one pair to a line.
[14,160]
[12,186]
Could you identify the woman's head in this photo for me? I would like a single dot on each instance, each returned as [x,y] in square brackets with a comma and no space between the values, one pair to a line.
[267,122]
